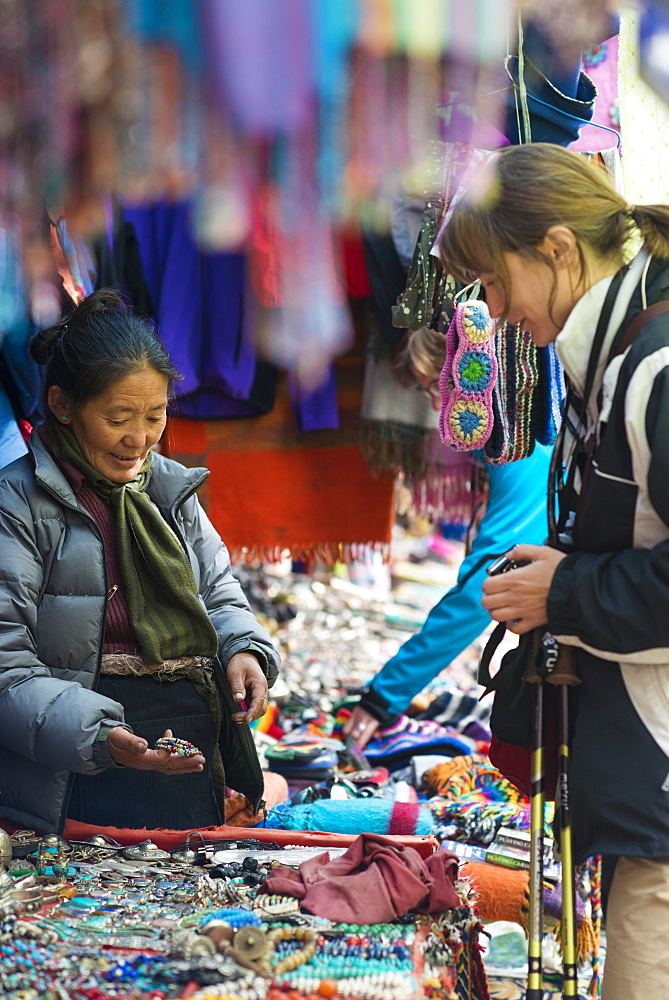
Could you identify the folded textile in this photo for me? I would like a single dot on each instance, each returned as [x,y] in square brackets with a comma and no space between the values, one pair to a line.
[374,881]
[304,754]
[473,799]
[467,828]
[461,711]
[469,774]
[407,738]
[371,815]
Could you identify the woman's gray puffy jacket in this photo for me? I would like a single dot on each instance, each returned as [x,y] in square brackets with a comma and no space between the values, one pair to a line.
[53,593]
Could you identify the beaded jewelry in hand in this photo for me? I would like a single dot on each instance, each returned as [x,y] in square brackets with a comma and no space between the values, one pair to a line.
[182,748]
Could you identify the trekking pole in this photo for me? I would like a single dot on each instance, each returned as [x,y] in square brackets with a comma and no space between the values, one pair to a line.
[564,676]
[535,989]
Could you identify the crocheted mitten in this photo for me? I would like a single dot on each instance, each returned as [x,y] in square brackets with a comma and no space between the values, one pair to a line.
[468,377]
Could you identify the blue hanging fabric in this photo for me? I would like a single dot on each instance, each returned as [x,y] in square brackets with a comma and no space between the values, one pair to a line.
[175,23]
[558,105]
[335,25]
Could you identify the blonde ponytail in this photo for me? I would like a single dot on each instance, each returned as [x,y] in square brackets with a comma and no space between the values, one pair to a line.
[652,221]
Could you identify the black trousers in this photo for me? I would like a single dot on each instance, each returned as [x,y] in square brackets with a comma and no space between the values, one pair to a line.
[126,797]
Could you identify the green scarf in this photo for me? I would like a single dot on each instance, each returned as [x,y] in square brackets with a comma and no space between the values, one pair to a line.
[165,610]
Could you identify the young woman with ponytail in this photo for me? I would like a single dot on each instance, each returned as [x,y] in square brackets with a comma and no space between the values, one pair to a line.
[560,252]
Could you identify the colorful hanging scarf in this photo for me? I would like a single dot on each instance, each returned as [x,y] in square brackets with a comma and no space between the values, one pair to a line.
[518,384]
[166,612]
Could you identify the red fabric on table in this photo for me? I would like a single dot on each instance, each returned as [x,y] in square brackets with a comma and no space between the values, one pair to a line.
[443,867]
[168,840]
[374,881]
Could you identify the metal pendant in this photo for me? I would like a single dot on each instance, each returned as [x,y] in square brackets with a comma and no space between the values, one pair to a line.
[186,857]
[250,942]
[146,851]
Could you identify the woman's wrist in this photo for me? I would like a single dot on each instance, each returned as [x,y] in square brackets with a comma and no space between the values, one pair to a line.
[377,706]
[101,753]
[257,653]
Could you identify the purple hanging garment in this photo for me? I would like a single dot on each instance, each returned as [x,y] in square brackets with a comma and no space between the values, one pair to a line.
[199,304]
[260,58]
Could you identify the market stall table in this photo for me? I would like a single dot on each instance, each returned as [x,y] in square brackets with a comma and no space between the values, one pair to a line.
[96,919]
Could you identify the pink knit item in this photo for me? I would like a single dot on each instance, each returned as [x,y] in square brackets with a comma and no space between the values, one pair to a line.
[403,819]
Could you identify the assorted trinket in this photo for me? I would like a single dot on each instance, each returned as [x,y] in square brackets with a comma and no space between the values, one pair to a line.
[136,923]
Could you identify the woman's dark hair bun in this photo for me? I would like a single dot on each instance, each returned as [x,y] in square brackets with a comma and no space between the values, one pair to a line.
[104,300]
[42,344]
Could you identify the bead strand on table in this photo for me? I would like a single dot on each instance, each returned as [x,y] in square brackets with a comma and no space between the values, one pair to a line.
[376,986]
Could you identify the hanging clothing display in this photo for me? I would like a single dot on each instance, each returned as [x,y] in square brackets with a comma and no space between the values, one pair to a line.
[600,62]
[396,421]
[20,382]
[198,304]
[205,317]
[118,260]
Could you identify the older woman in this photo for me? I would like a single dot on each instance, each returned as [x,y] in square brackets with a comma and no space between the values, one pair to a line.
[121,623]
[551,245]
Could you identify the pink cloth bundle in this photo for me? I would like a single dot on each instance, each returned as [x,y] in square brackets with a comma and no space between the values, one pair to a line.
[374,881]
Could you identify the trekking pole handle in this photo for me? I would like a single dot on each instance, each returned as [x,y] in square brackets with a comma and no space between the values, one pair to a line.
[548,660]
[532,676]
[565,668]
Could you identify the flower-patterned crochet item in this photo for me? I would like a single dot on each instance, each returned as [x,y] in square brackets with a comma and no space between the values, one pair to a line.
[468,378]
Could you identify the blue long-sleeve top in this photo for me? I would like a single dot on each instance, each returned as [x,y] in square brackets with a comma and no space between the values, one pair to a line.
[516,513]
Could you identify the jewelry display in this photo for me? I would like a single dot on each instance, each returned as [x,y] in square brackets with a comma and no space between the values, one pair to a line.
[132,923]
[23,842]
[28,900]
[186,943]
[182,748]
[275,907]
[7,906]
[250,942]
[101,840]
[306,939]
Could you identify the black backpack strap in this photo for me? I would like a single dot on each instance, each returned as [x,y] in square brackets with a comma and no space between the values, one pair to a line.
[639,321]
[489,651]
